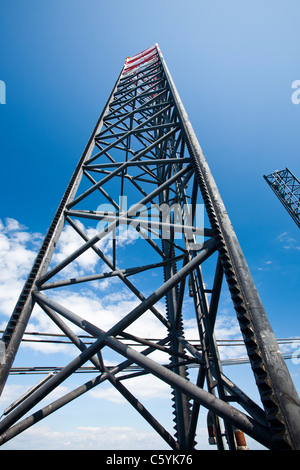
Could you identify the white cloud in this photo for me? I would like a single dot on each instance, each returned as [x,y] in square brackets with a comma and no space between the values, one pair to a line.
[17,253]
[70,241]
[12,392]
[107,438]
[89,261]
[145,388]
[289,243]
[87,438]
[18,249]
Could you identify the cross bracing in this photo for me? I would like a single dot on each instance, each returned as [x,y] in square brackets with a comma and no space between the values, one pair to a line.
[143,202]
[287,188]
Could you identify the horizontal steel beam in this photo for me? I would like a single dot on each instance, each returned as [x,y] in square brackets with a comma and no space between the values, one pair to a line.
[147,224]
[136,130]
[154,162]
[125,272]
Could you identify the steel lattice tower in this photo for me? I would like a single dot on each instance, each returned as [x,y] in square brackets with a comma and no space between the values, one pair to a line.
[287,188]
[143,158]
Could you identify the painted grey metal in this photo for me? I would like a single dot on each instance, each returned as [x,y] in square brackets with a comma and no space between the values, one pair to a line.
[268,363]
[144,139]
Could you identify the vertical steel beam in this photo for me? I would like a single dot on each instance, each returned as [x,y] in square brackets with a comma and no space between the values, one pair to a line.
[267,362]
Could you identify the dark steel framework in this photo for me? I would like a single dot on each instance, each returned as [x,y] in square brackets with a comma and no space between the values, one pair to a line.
[287,188]
[143,147]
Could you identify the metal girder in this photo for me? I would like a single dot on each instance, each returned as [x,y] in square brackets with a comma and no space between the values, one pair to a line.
[144,149]
[287,188]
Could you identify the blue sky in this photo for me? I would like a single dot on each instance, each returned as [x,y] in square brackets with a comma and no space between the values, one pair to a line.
[233,64]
